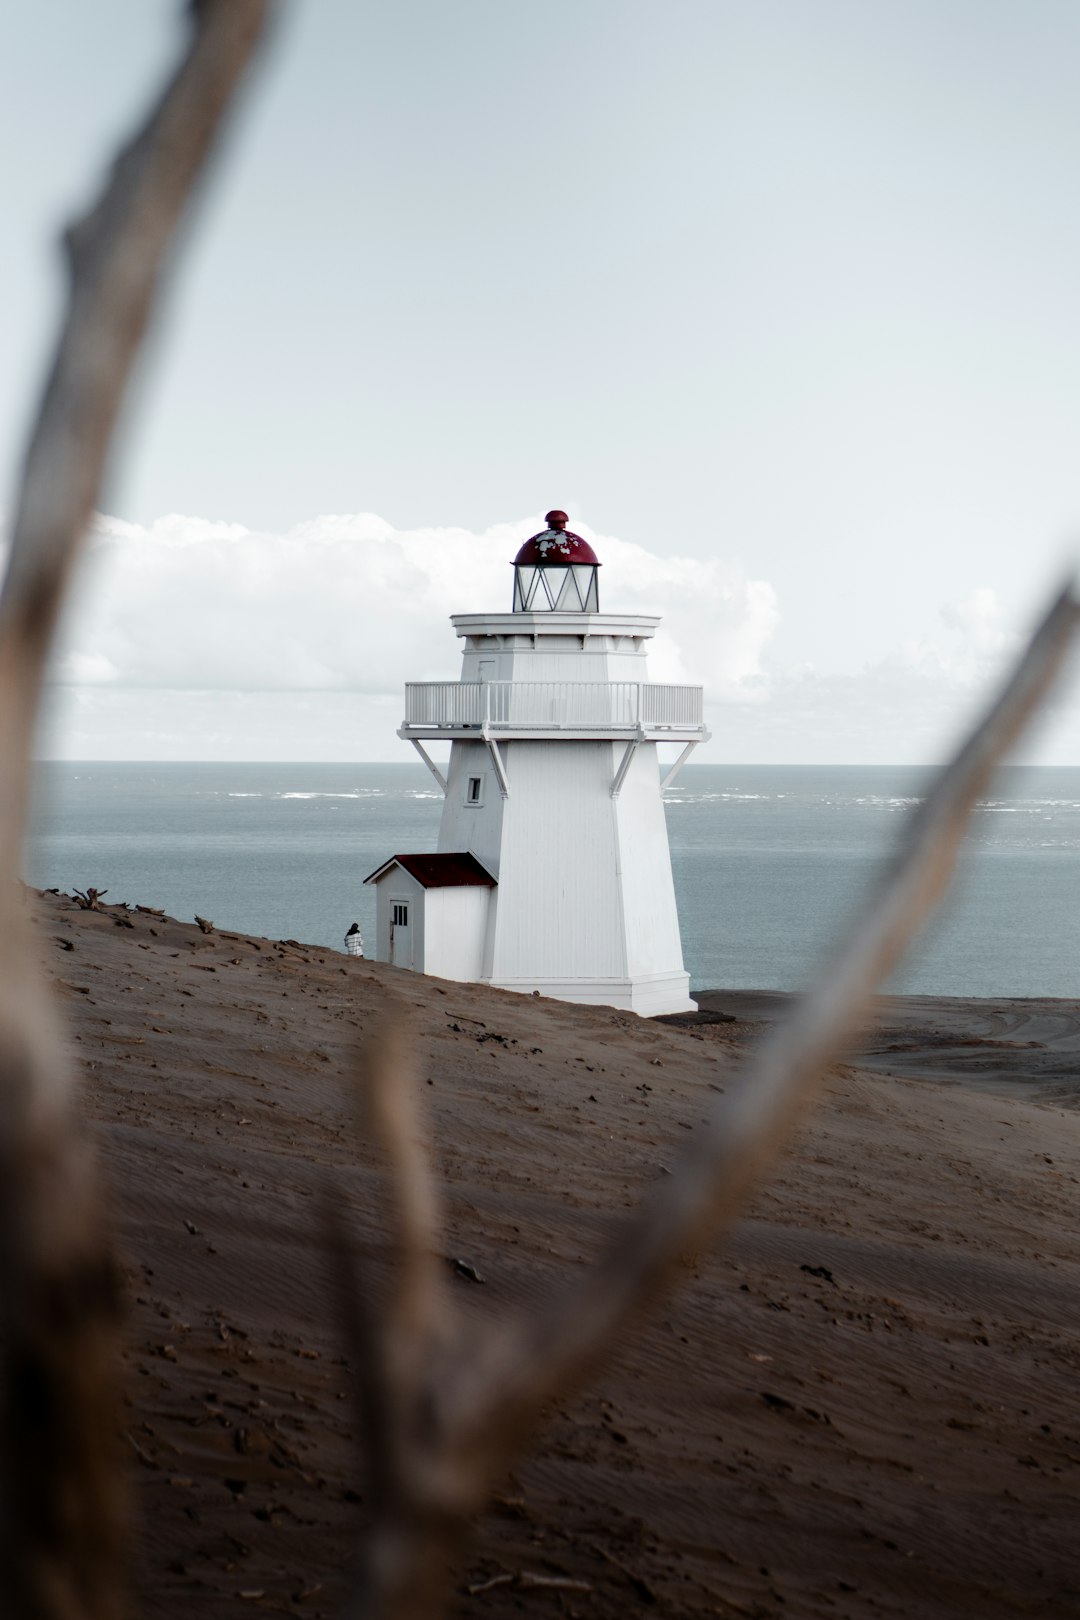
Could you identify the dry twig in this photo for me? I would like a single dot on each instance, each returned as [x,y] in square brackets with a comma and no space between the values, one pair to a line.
[63,1509]
[524,1581]
[89,899]
[458,1414]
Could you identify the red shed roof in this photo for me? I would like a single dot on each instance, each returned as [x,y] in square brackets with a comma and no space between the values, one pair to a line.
[438,871]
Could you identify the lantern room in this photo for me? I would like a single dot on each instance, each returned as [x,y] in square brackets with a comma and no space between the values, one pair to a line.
[555,571]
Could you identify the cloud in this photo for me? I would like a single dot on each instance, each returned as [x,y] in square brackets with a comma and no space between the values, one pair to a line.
[190,638]
[976,644]
[348,603]
[717,623]
[75,668]
[910,706]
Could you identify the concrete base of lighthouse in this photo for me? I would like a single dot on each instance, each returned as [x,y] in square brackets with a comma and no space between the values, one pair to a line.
[651,995]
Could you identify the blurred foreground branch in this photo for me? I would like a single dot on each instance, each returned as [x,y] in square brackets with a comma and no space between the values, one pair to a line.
[442,1414]
[62,1554]
[455,1421]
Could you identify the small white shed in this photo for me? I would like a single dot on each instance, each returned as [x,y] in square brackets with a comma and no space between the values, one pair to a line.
[431,914]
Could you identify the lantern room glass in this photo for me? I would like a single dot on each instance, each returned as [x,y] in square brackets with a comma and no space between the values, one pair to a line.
[553,588]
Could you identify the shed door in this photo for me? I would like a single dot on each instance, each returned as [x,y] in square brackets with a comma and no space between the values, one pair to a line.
[401,935]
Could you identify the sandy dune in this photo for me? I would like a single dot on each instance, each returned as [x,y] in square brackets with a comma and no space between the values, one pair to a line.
[1026,1047]
[869,1404]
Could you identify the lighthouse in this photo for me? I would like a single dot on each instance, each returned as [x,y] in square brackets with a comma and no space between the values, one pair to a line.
[552,873]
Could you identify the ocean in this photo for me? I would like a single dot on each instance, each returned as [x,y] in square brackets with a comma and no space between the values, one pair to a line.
[768,861]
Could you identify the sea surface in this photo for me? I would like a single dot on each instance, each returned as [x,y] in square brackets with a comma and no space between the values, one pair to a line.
[768,861]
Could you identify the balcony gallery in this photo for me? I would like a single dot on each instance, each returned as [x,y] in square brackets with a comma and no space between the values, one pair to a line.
[557,708]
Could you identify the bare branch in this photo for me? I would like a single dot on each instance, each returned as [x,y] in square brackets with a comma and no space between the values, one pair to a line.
[392,1346]
[117,258]
[401,1350]
[478,1406]
[64,1507]
[537,1355]
[89,900]
[64,1519]
[392,1094]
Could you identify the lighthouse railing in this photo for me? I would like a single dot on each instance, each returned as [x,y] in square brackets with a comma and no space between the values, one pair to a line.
[553,705]
[672,705]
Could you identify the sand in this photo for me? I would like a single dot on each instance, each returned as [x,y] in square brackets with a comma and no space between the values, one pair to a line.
[868,1403]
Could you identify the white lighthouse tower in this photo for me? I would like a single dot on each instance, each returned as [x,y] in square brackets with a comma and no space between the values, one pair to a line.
[553,872]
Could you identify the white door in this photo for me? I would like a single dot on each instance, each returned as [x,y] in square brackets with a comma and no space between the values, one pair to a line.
[401,948]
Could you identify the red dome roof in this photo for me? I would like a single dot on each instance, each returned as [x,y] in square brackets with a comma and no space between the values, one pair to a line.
[555,548]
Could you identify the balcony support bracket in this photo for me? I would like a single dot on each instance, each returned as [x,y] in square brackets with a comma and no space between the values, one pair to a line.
[624,765]
[678,765]
[429,762]
[500,768]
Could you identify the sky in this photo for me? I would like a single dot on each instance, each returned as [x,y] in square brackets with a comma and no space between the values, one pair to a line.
[778,301]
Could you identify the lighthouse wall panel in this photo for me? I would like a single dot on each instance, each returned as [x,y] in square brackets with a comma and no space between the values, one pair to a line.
[574,664]
[571,663]
[554,646]
[455,929]
[559,911]
[584,907]
[653,944]
[475,828]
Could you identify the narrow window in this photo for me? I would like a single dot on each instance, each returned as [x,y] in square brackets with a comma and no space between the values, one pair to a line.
[400,917]
[473,794]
